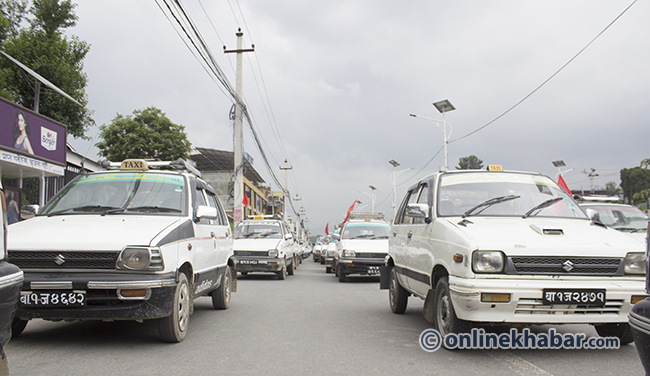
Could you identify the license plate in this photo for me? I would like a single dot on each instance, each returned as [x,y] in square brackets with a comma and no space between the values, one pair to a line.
[248,262]
[590,297]
[373,270]
[53,298]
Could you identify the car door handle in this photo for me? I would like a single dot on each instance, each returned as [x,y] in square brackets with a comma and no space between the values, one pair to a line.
[409,234]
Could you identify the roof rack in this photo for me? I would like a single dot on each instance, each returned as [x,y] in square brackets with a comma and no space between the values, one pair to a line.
[367,215]
[146,164]
[596,198]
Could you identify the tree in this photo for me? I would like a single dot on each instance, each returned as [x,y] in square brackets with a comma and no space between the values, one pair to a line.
[612,189]
[635,183]
[146,134]
[471,162]
[44,49]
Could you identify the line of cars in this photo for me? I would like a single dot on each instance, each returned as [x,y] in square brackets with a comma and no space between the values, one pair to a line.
[493,247]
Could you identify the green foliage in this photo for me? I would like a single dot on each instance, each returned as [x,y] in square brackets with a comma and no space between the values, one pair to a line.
[146,134]
[635,183]
[612,189]
[43,48]
[471,162]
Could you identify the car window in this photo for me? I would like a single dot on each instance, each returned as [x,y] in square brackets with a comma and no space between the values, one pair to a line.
[258,230]
[366,231]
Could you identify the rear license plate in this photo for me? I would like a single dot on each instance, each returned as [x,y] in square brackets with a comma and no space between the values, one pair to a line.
[373,270]
[53,298]
[590,297]
[248,262]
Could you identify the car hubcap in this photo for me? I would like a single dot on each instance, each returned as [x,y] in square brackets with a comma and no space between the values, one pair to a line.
[183,307]
[444,314]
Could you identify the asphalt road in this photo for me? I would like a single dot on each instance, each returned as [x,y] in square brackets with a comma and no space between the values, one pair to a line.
[308,324]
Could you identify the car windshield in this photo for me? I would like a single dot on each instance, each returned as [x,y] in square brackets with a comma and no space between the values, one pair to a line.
[366,231]
[621,217]
[121,193]
[262,230]
[503,194]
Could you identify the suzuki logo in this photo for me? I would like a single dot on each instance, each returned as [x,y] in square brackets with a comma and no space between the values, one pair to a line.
[568,265]
[59,259]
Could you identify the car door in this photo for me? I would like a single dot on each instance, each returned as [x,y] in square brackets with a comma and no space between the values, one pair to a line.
[418,244]
[221,229]
[400,236]
[204,247]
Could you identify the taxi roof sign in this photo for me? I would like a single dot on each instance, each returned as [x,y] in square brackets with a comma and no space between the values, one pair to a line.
[494,167]
[134,164]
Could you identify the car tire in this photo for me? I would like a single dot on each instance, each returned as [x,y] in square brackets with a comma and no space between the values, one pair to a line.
[622,331]
[342,276]
[291,268]
[221,296]
[397,295]
[328,269]
[282,274]
[446,320]
[322,261]
[173,328]
[17,327]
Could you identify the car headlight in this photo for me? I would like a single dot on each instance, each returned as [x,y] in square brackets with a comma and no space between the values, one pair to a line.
[331,253]
[273,253]
[635,263]
[140,258]
[488,261]
[349,253]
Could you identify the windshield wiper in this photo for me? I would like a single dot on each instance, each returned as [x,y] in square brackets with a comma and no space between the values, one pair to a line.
[137,208]
[266,234]
[83,208]
[371,236]
[541,206]
[488,203]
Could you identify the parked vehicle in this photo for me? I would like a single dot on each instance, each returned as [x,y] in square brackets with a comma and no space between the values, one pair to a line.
[318,248]
[265,244]
[11,280]
[640,317]
[497,247]
[140,241]
[621,217]
[363,245]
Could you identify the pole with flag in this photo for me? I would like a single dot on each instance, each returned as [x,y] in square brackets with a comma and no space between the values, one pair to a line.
[350,210]
[562,184]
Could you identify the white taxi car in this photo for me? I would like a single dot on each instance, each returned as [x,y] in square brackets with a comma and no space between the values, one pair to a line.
[496,247]
[265,244]
[362,245]
[137,242]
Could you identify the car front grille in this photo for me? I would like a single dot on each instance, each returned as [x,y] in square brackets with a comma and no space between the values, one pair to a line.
[565,265]
[251,253]
[536,307]
[371,255]
[63,260]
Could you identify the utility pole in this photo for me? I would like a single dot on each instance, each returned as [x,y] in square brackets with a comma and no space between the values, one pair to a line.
[286,191]
[238,205]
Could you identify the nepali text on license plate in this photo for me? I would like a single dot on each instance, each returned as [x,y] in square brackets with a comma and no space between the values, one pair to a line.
[373,270]
[590,297]
[53,298]
[248,262]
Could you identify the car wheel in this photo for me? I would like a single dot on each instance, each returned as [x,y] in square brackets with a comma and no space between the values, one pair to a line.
[322,261]
[328,269]
[342,277]
[282,274]
[397,295]
[221,296]
[445,319]
[17,327]
[174,327]
[622,331]
[291,268]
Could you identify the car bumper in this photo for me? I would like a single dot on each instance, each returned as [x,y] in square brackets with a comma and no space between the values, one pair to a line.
[360,266]
[11,278]
[525,304]
[106,295]
[329,261]
[248,265]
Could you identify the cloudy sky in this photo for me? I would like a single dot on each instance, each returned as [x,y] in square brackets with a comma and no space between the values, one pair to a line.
[332,83]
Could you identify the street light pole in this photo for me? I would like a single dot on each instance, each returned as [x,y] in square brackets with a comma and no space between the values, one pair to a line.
[393,179]
[443,107]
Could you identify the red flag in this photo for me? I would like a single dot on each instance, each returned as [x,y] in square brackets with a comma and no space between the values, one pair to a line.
[349,210]
[245,201]
[562,184]
[327,228]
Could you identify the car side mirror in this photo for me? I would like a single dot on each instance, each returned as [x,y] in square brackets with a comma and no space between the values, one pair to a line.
[417,210]
[288,237]
[336,236]
[206,212]
[29,211]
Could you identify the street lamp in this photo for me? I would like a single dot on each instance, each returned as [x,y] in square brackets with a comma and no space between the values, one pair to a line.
[559,164]
[373,198]
[443,107]
[393,179]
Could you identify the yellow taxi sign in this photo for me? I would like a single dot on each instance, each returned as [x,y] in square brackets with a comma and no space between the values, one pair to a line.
[134,164]
[494,167]
[258,218]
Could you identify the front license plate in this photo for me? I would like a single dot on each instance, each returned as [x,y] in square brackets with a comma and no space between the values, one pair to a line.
[590,297]
[248,262]
[373,270]
[53,299]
